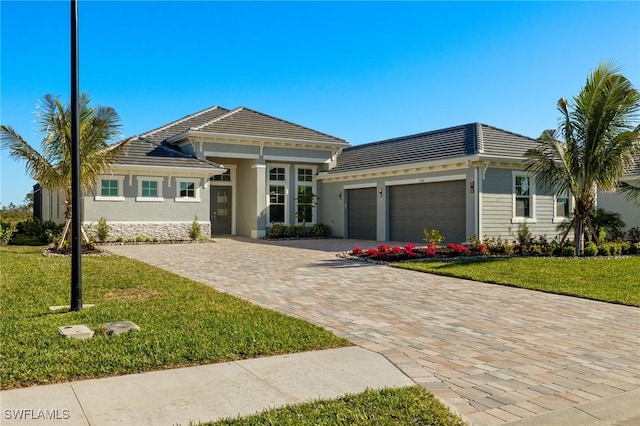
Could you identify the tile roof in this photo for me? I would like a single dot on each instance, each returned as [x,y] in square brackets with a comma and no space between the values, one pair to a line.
[183,124]
[247,122]
[142,152]
[452,142]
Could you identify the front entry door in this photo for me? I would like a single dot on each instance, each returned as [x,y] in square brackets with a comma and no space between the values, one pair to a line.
[220,210]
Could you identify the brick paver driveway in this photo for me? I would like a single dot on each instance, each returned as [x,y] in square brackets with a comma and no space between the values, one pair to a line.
[494,354]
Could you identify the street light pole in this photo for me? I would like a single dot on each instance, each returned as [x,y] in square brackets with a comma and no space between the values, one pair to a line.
[76,213]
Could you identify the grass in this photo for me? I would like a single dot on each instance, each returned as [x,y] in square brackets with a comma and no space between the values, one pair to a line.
[182,322]
[401,406]
[615,280]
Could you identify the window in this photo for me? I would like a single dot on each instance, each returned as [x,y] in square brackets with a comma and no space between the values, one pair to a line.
[149,188]
[188,190]
[276,203]
[277,186]
[277,173]
[561,207]
[110,188]
[523,198]
[305,198]
[225,177]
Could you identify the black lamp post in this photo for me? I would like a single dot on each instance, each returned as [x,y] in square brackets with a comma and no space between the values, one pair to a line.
[76,214]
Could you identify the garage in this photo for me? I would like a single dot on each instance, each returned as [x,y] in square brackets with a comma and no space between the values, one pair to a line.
[437,205]
[361,213]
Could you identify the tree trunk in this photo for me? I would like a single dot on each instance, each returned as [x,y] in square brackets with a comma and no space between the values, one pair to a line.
[579,235]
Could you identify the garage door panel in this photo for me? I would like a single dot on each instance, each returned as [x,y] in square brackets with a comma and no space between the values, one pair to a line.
[361,213]
[438,205]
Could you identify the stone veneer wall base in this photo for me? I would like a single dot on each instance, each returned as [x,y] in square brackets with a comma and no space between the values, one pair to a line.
[148,230]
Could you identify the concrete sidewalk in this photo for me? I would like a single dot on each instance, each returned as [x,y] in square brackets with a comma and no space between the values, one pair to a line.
[202,393]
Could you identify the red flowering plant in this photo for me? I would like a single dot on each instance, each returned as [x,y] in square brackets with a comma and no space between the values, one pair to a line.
[457,248]
[430,250]
[372,252]
[384,248]
[396,250]
[356,251]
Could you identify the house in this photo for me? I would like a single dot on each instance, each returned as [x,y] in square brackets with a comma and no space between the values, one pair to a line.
[240,171]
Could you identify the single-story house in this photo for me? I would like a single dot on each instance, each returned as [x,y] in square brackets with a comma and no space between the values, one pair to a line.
[240,171]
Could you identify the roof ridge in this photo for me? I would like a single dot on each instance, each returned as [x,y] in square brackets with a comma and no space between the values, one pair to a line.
[510,132]
[479,138]
[180,120]
[218,118]
[411,136]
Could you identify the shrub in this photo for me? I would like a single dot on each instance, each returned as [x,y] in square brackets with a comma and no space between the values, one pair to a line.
[296,231]
[603,250]
[523,235]
[634,234]
[102,229]
[319,230]
[45,231]
[384,248]
[6,231]
[139,239]
[568,250]
[356,251]
[634,248]
[277,230]
[372,252]
[590,249]
[195,231]
[432,236]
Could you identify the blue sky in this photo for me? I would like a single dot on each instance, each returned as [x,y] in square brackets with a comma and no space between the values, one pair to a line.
[361,71]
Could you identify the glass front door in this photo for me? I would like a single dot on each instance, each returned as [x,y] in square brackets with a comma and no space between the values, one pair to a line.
[220,210]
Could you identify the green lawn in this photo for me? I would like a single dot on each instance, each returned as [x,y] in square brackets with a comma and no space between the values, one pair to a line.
[614,280]
[182,322]
[404,406]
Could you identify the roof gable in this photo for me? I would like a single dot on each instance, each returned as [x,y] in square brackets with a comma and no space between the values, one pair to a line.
[243,121]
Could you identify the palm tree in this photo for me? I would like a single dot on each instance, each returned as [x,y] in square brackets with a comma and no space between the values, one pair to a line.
[51,166]
[594,144]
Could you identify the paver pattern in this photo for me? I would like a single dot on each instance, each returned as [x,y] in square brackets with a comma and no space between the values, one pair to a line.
[493,354]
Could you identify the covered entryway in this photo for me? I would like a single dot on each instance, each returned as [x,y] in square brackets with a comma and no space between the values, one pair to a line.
[437,205]
[361,213]
[220,210]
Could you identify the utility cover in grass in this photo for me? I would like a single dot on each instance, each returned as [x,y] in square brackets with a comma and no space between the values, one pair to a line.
[120,327]
[76,331]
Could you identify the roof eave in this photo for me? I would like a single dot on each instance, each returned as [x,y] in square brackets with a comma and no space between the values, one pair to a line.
[202,170]
[210,135]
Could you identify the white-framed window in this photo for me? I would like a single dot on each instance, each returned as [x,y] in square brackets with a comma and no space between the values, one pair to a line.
[187,190]
[561,206]
[150,188]
[225,177]
[524,199]
[305,191]
[110,188]
[278,176]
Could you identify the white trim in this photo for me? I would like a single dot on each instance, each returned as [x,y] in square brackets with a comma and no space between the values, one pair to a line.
[258,166]
[119,197]
[254,139]
[149,222]
[295,159]
[312,184]
[360,185]
[532,198]
[231,155]
[560,219]
[195,170]
[159,180]
[425,180]
[196,198]
[284,183]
